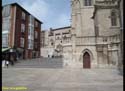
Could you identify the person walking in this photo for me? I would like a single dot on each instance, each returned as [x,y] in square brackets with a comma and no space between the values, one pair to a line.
[7,63]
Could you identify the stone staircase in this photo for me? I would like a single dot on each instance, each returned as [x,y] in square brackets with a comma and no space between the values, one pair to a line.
[40,63]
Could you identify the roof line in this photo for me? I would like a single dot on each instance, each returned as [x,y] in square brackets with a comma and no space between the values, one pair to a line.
[60,28]
[23,9]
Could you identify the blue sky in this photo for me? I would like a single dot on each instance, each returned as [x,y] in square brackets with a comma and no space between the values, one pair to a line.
[53,13]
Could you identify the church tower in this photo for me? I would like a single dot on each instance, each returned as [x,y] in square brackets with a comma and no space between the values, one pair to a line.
[95,33]
[83,34]
[82,22]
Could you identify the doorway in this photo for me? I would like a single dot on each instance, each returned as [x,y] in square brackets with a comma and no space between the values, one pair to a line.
[86,60]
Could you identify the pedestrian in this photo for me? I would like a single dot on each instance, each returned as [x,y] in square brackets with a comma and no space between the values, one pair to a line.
[7,63]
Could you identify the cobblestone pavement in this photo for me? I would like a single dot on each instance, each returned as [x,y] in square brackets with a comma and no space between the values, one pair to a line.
[48,79]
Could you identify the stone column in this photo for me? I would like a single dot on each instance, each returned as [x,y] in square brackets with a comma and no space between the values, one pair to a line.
[73,47]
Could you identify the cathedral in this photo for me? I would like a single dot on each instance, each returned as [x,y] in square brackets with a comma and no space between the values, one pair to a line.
[94,40]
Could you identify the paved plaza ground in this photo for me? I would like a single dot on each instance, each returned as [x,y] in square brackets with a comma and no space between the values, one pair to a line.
[61,79]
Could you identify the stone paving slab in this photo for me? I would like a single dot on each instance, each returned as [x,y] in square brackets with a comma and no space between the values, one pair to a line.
[39,79]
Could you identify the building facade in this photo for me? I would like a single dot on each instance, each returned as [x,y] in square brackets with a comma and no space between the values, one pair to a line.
[120,6]
[54,41]
[20,31]
[96,33]
[95,36]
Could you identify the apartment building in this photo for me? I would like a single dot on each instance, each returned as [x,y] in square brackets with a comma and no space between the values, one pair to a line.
[20,31]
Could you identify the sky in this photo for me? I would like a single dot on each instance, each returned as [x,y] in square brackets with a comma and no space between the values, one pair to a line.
[53,13]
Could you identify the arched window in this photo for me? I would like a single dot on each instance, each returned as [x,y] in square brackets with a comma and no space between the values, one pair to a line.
[88,2]
[113,18]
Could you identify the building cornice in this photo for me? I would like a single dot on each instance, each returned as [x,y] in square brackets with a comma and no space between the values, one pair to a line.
[104,5]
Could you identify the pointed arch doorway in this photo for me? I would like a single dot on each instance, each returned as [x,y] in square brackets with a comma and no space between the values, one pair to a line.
[86,60]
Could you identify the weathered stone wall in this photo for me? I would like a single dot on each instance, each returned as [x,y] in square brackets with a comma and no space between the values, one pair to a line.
[105,28]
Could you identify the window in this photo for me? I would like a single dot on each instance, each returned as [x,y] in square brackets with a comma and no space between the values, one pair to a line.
[23,15]
[6,11]
[88,2]
[31,20]
[30,44]
[31,32]
[4,40]
[22,42]
[113,18]
[6,25]
[22,28]
[36,24]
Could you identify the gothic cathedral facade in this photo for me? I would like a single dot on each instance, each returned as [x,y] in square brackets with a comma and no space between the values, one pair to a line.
[95,30]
